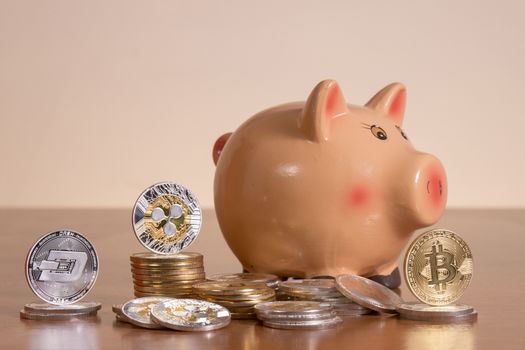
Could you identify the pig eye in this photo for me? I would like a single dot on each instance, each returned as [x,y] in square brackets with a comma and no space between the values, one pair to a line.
[378,132]
[402,132]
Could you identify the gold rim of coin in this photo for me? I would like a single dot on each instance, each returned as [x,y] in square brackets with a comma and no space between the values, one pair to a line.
[171,280]
[165,272]
[164,294]
[438,267]
[230,288]
[165,266]
[178,257]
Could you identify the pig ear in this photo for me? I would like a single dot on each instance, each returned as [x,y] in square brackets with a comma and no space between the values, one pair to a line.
[325,102]
[391,101]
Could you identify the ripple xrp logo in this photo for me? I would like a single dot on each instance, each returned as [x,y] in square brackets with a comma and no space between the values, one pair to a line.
[168,226]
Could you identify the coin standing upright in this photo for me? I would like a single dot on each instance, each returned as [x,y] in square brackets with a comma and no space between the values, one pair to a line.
[61,268]
[166,218]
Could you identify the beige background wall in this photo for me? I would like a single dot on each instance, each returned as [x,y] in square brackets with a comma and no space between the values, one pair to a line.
[99,99]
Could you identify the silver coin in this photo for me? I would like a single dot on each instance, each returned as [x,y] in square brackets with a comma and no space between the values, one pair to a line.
[293,307]
[263,316]
[137,311]
[309,286]
[314,324]
[368,293]
[29,315]
[425,310]
[446,318]
[77,308]
[166,218]
[352,312]
[62,267]
[190,315]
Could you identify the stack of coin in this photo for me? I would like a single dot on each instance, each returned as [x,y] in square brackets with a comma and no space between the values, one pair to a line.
[297,315]
[322,290]
[45,311]
[238,297]
[271,281]
[166,275]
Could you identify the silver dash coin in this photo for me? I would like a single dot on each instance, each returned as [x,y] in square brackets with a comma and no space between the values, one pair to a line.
[190,315]
[54,316]
[368,293]
[79,308]
[62,267]
[316,324]
[166,218]
[137,311]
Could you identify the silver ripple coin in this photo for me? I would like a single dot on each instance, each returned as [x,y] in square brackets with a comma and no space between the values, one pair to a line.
[190,315]
[62,267]
[166,218]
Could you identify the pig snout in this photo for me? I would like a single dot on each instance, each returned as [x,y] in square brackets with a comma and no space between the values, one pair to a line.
[428,194]
[219,145]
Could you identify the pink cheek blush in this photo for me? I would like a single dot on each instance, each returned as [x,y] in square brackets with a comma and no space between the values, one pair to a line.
[358,197]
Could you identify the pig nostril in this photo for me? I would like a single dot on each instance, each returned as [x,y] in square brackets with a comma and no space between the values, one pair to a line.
[440,188]
[428,184]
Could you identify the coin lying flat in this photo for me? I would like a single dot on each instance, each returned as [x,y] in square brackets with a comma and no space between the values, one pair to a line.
[294,311]
[293,307]
[166,218]
[310,324]
[54,316]
[321,290]
[309,286]
[271,281]
[190,315]
[137,311]
[77,308]
[446,313]
[428,311]
[62,267]
[368,293]
[438,267]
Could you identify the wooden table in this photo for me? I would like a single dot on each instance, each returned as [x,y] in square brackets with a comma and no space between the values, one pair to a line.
[496,237]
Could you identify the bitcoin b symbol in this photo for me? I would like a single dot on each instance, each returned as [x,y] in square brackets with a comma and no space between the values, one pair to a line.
[442,269]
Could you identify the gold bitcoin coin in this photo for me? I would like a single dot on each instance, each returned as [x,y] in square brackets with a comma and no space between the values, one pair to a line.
[438,267]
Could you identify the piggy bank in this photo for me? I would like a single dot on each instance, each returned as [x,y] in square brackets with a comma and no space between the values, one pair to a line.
[322,187]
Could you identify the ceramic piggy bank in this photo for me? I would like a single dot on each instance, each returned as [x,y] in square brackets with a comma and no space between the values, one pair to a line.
[322,187]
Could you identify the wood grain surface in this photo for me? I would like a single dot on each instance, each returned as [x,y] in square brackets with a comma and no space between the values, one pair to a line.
[497,291]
